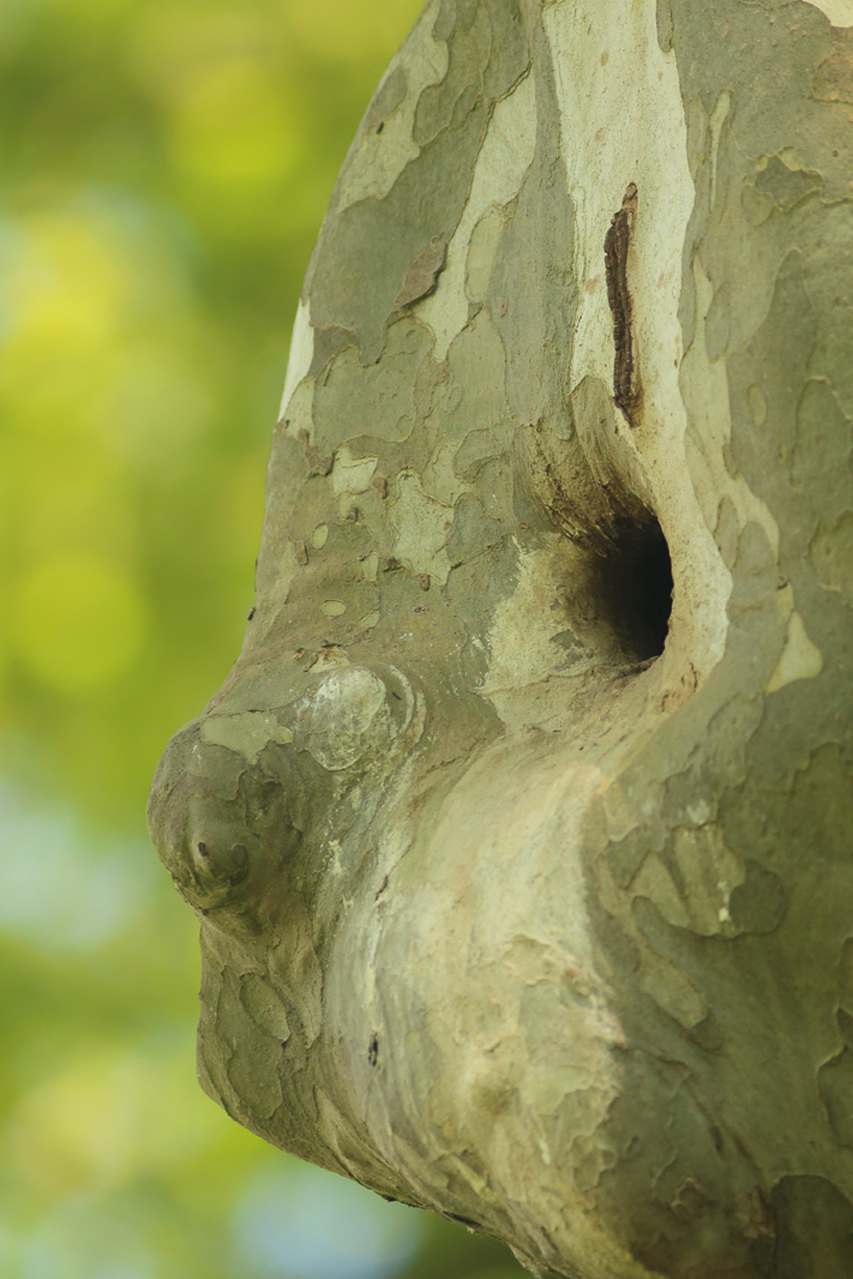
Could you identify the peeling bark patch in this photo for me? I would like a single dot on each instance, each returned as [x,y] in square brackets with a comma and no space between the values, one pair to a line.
[626,378]
[318,464]
[815,1228]
[833,81]
[786,187]
[422,276]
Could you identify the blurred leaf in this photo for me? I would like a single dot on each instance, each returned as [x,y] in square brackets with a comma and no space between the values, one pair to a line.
[79,621]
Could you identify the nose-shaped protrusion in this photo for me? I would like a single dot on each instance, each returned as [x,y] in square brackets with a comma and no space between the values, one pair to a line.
[221,864]
[216,849]
[198,822]
[224,821]
[237,791]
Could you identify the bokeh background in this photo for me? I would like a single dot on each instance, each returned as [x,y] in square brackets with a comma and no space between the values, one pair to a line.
[164,168]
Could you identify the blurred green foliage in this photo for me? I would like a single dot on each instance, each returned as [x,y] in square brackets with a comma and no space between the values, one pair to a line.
[164,168]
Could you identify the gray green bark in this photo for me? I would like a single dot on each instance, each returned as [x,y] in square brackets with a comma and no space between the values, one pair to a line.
[522,897]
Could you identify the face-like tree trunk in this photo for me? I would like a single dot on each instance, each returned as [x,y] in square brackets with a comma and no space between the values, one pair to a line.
[520,833]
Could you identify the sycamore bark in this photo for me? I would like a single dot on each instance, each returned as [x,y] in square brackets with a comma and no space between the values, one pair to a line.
[520,834]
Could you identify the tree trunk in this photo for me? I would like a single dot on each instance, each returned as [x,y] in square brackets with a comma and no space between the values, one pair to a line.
[520,832]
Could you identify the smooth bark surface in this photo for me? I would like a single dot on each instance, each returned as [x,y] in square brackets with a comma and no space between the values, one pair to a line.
[520,832]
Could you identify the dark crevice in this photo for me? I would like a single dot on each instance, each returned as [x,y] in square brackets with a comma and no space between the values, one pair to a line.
[632,583]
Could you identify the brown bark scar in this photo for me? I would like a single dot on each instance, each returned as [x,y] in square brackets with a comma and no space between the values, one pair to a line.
[626,372]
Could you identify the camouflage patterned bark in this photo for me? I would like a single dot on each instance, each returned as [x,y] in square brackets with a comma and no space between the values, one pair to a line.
[520,832]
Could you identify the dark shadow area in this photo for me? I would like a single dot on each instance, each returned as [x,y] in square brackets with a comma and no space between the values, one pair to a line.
[633,584]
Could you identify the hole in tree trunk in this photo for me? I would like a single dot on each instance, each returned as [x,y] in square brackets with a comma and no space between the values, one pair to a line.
[633,584]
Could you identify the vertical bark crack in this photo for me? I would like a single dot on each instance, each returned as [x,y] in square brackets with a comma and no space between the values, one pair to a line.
[626,373]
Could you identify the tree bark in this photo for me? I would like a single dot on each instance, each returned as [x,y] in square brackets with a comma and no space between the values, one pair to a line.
[520,832]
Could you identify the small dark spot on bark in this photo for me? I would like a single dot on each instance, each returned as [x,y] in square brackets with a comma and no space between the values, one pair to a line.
[300,550]
[424,581]
[419,609]
[250,614]
[351,516]
[380,126]
[373,1050]
[380,484]
[202,848]
[382,888]
[390,564]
